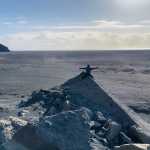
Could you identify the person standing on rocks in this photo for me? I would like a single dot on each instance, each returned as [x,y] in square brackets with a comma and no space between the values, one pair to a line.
[88,70]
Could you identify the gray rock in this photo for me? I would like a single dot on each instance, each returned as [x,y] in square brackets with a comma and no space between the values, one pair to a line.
[11,145]
[67,131]
[95,126]
[6,130]
[114,130]
[125,139]
[64,131]
[100,117]
[17,123]
[22,113]
[140,134]
[96,145]
[52,111]
[8,127]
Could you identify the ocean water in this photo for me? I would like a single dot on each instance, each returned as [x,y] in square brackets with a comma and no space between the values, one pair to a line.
[125,74]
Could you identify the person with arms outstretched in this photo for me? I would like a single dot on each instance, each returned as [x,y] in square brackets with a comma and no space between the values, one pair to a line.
[88,70]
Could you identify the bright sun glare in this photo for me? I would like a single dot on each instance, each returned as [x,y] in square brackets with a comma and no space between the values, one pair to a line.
[132,3]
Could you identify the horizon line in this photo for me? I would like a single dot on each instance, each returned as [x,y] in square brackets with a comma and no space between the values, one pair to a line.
[123,49]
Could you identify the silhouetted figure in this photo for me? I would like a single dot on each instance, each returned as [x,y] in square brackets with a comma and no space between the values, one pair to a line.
[88,70]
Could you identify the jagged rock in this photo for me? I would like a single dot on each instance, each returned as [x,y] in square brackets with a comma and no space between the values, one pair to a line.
[140,134]
[6,130]
[96,126]
[17,123]
[11,145]
[124,139]
[113,130]
[100,117]
[51,111]
[86,114]
[63,120]
[96,145]
[64,131]
[141,108]
[133,147]
[67,105]
[54,98]
[8,127]
[22,113]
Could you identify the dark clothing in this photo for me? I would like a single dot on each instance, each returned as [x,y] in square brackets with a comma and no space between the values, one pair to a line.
[88,70]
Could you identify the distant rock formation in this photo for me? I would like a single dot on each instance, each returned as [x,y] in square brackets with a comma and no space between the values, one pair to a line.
[4,48]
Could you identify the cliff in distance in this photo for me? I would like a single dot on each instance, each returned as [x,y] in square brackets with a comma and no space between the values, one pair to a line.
[4,48]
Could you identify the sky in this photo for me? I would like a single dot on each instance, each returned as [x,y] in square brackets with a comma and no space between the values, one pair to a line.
[75,24]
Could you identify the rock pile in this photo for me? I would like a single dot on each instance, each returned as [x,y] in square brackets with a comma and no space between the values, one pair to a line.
[68,120]
[102,131]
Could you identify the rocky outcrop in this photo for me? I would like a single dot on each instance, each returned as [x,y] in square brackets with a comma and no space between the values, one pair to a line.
[8,127]
[65,131]
[3,48]
[76,115]
[76,93]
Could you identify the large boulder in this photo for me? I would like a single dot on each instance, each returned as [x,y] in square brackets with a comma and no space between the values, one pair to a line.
[68,130]
[140,134]
[11,145]
[113,130]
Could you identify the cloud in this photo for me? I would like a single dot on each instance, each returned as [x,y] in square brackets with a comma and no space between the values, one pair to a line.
[16,22]
[7,23]
[99,34]
[100,25]
[22,22]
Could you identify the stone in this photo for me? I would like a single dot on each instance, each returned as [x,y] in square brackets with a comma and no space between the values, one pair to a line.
[95,126]
[51,111]
[139,134]
[66,105]
[64,131]
[114,130]
[6,130]
[8,127]
[100,117]
[22,113]
[12,146]
[17,123]
[125,139]
[97,145]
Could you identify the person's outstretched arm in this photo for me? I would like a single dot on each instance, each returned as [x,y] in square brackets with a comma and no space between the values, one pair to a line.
[83,68]
[94,68]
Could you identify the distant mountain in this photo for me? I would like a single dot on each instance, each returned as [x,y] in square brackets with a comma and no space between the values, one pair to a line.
[3,48]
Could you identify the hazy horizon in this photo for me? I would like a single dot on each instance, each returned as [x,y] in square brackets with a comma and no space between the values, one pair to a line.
[70,25]
[129,49]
